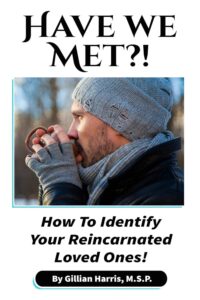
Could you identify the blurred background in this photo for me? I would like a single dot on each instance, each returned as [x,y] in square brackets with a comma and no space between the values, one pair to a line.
[46,101]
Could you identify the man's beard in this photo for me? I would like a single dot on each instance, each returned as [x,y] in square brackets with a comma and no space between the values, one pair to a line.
[97,147]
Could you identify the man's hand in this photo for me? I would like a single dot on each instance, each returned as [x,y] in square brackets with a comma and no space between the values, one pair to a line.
[55,134]
[54,159]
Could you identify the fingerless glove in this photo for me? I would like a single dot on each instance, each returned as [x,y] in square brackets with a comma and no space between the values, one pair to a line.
[55,164]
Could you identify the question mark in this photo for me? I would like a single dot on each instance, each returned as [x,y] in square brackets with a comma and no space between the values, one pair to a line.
[136,51]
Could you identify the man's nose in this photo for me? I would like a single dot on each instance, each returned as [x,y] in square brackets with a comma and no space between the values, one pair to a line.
[72,132]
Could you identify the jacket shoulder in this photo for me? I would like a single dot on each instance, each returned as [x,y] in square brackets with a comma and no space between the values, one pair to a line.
[155,179]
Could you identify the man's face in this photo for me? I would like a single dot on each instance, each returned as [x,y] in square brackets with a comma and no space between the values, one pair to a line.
[92,136]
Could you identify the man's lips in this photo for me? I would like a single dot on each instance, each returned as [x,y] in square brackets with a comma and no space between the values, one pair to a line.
[78,150]
[78,146]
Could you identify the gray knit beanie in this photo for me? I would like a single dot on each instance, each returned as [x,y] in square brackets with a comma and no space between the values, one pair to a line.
[135,107]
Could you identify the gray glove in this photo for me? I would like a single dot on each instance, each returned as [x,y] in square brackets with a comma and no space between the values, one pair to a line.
[55,164]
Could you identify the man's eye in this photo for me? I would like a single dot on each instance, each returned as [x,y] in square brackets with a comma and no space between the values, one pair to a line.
[77,117]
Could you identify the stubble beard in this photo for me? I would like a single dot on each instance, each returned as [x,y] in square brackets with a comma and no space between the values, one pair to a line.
[98,147]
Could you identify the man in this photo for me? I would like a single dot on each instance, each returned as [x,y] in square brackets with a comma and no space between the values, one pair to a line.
[117,150]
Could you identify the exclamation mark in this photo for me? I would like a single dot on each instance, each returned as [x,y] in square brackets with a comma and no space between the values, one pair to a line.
[145,49]
[144,258]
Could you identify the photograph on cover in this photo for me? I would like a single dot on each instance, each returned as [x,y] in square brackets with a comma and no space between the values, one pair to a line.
[98,141]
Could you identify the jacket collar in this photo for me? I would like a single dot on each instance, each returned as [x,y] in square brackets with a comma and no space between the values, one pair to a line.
[158,154]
